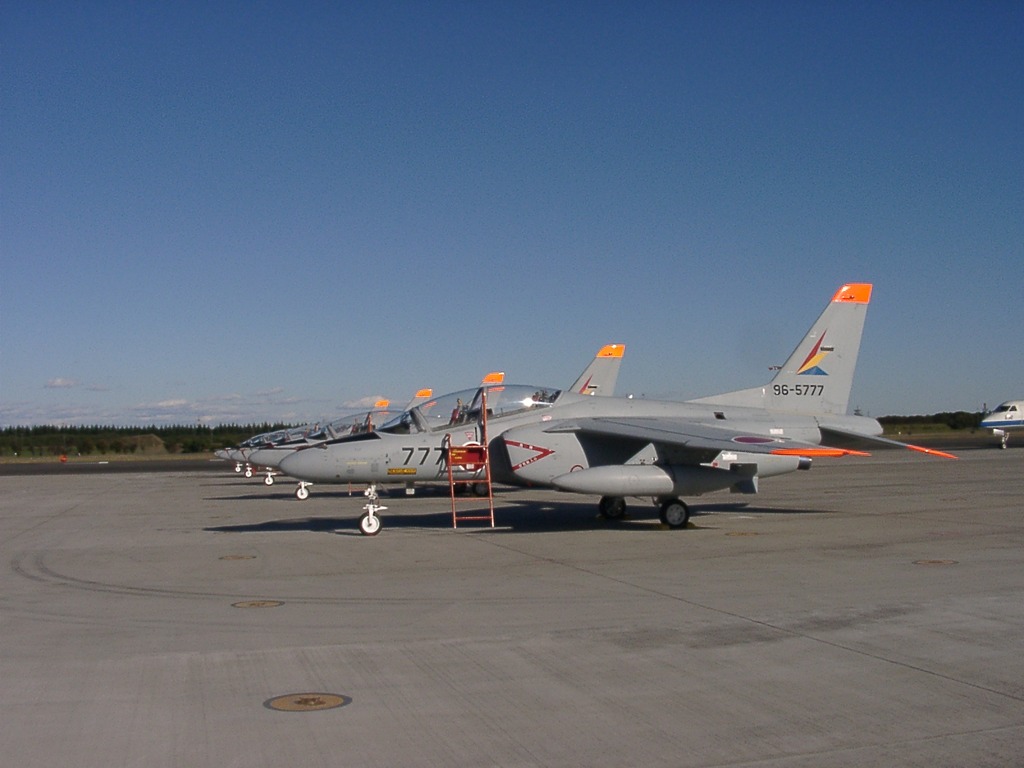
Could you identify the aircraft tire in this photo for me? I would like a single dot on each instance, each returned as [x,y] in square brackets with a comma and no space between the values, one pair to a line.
[674,513]
[301,493]
[269,480]
[369,526]
[248,472]
[612,507]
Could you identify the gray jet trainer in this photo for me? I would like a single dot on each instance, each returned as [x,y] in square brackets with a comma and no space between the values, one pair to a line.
[664,450]
[617,447]
[413,446]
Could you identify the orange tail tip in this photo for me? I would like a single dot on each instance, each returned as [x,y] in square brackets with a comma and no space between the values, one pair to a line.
[854,293]
[425,393]
[818,452]
[495,377]
[932,452]
[382,404]
[612,350]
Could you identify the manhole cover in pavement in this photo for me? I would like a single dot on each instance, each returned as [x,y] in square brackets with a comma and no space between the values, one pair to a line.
[307,702]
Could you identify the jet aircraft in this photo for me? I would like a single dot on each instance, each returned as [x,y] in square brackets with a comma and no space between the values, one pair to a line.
[617,448]
[1004,419]
[267,454]
[364,424]
[413,446]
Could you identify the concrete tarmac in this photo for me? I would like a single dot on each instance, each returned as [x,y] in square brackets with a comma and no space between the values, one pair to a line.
[869,612]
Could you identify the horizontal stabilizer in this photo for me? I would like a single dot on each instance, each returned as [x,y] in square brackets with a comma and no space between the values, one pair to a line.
[836,436]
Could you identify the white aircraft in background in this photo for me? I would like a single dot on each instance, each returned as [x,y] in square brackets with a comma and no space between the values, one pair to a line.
[1004,419]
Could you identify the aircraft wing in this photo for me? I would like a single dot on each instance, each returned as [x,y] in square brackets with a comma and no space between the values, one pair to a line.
[677,441]
[849,438]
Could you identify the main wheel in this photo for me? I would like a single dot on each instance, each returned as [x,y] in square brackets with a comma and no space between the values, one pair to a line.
[612,507]
[301,493]
[369,525]
[674,513]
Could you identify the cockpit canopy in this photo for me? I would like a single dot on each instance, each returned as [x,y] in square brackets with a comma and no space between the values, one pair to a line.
[1006,408]
[357,424]
[464,407]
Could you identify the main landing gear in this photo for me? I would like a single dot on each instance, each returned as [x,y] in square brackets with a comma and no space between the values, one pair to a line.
[369,524]
[672,512]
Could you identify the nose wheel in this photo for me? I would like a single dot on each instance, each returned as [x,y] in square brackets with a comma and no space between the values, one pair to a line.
[369,523]
[302,491]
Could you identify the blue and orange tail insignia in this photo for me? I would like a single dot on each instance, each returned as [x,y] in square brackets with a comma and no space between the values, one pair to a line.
[810,366]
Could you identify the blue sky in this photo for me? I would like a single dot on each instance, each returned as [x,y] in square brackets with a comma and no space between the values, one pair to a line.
[247,211]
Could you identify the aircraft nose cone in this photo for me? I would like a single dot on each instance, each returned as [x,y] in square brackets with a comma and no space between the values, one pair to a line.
[262,457]
[312,464]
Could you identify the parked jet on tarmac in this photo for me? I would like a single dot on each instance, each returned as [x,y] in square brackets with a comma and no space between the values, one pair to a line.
[1004,419]
[412,447]
[617,448]
[267,454]
[364,424]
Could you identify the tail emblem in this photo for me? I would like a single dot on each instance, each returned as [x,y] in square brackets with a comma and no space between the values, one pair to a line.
[810,365]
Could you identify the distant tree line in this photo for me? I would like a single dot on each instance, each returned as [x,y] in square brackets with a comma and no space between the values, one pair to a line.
[71,441]
[945,420]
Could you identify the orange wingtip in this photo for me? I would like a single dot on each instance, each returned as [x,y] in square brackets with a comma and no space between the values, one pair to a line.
[494,377]
[932,452]
[854,293]
[382,404]
[612,350]
[425,393]
[819,452]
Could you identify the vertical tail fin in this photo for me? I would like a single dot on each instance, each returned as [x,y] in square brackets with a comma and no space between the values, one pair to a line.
[600,376]
[818,376]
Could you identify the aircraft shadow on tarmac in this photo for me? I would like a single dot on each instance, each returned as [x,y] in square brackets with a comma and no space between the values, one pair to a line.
[514,516]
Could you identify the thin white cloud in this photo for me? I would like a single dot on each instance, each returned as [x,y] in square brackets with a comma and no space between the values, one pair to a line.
[364,402]
[172,404]
[230,408]
[60,383]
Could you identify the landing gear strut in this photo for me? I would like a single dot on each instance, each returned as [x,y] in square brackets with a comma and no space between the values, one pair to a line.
[369,524]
